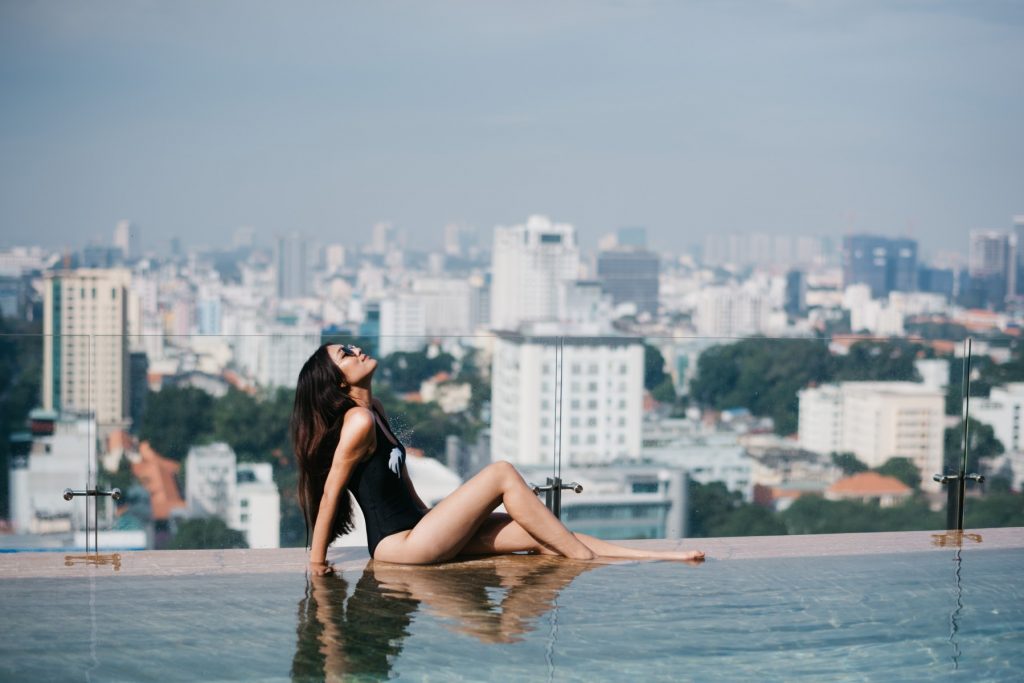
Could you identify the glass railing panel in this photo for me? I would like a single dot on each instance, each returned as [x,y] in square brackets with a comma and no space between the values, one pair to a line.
[203,451]
[48,439]
[772,436]
[526,403]
[988,373]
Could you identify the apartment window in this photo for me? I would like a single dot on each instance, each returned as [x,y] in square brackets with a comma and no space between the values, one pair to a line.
[592,386]
[575,404]
[592,404]
[574,439]
[576,368]
[592,369]
[244,503]
[591,421]
[591,439]
[245,517]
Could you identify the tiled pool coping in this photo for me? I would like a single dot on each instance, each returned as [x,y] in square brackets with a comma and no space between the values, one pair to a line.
[284,560]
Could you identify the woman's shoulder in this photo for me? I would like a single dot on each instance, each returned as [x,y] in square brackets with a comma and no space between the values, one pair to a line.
[357,424]
[357,433]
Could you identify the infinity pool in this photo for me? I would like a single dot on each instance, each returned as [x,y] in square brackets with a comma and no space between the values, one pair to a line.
[947,613]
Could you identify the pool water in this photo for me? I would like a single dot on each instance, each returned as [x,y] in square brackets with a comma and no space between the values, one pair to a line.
[911,616]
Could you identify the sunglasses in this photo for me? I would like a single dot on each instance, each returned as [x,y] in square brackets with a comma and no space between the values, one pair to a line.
[349,350]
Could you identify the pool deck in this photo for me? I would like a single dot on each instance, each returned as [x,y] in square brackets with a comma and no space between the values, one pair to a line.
[24,565]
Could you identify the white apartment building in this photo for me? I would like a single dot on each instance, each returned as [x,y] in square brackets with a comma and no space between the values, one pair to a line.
[85,343]
[876,421]
[446,303]
[1002,411]
[820,419]
[733,312]
[601,399]
[244,495]
[210,480]
[530,261]
[281,351]
[403,324]
[256,508]
[53,462]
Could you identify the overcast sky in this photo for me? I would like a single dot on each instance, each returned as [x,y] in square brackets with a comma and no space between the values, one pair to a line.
[811,117]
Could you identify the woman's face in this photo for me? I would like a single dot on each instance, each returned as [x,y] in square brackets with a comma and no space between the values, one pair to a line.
[356,367]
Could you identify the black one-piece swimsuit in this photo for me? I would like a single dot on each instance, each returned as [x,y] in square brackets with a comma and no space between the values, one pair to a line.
[376,482]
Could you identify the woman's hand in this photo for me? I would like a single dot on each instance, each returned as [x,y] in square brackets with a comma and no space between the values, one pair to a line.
[320,568]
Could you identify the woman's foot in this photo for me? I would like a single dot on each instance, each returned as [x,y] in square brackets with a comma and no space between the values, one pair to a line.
[687,556]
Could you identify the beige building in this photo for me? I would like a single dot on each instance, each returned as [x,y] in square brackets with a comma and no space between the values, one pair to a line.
[85,343]
[875,421]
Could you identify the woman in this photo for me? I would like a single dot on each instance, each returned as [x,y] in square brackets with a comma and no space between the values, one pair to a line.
[343,442]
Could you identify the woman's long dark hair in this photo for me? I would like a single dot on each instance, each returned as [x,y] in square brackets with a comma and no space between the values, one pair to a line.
[320,406]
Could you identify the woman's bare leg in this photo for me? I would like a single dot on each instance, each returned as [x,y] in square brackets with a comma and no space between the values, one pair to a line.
[501,534]
[443,531]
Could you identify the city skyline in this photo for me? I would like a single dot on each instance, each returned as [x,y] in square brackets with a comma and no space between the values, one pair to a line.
[837,119]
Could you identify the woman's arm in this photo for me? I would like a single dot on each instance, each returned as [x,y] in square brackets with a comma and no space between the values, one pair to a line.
[356,437]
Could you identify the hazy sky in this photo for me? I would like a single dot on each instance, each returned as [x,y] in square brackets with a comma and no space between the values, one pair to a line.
[811,117]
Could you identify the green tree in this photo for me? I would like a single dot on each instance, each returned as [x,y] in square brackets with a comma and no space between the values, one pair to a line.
[761,375]
[994,510]
[206,532]
[21,374]
[654,367]
[885,361]
[848,463]
[256,427]
[903,469]
[982,443]
[403,371]
[665,391]
[176,418]
[717,511]
[815,515]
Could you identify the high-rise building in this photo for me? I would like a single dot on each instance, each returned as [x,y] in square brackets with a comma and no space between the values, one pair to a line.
[126,239]
[383,238]
[292,267]
[989,264]
[732,312]
[601,399]
[630,275]
[530,262]
[1016,269]
[85,343]
[796,293]
[882,263]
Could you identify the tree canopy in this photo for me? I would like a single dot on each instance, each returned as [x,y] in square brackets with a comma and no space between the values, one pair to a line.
[206,532]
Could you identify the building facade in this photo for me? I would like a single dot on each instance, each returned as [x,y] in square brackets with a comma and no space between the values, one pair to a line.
[601,380]
[630,275]
[875,421]
[530,262]
[884,264]
[85,343]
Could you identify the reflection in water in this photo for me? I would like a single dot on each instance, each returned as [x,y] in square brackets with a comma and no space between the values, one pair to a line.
[357,637]
[954,618]
[954,539]
[495,600]
[95,560]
